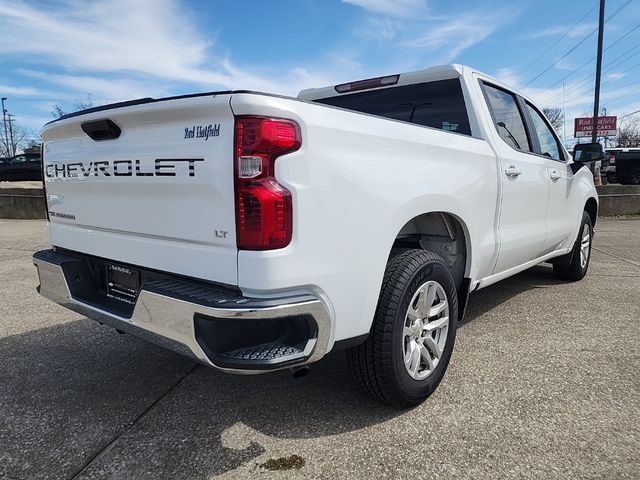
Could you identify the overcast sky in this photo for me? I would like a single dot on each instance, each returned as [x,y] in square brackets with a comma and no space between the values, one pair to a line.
[61,52]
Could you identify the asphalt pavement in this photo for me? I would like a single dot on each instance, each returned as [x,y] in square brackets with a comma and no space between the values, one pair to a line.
[544,383]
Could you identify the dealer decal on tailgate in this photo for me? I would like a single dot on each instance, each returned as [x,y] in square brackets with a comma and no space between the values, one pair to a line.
[202,131]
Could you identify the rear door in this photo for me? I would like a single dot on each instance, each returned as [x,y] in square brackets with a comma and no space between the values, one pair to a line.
[524,180]
[153,188]
[562,211]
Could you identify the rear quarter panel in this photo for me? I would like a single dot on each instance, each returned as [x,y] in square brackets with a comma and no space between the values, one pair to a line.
[356,181]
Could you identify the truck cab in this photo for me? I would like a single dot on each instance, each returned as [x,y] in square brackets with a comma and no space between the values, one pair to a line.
[624,165]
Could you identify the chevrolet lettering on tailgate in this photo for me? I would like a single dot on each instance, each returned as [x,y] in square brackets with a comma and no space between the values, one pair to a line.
[122,168]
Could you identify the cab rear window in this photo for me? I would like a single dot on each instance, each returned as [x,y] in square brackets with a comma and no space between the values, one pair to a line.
[438,104]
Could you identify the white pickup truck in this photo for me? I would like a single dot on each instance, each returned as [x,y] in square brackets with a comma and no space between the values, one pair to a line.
[257,232]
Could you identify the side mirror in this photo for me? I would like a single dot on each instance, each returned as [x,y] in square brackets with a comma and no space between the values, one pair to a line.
[588,152]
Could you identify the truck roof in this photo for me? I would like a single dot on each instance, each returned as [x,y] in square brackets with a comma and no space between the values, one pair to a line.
[439,72]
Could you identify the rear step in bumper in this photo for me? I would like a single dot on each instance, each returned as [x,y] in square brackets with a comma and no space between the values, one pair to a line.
[216,326]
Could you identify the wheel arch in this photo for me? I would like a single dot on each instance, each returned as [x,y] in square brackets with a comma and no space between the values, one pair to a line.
[591,207]
[446,234]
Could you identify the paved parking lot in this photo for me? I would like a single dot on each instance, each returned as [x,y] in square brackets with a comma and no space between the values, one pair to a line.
[544,382]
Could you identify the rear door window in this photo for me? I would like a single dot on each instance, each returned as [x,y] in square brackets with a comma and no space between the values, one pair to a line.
[438,104]
[549,144]
[507,117]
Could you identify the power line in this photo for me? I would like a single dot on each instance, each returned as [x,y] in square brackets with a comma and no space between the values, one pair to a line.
[561,58]
[613,15]
[628,114]
[581,92]
[625,35]
[610,64]
[559,40]
[623,55]
[593,58]
[588,90]
[623,86]
[630,68]
[572,72]
[573,89]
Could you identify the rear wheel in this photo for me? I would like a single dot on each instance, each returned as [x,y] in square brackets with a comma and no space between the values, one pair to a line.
[633,177]
[408,350]
[581,254]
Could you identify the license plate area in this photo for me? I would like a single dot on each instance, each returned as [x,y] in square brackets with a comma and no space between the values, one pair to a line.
[123,283]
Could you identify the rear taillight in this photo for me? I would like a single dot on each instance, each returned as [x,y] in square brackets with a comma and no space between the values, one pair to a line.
[44,186]
[264,212]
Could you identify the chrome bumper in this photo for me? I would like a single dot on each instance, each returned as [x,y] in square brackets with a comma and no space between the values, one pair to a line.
[168,320]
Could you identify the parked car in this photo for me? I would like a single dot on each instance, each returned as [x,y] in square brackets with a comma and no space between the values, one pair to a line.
[624,165]
[27,166]
[257,232]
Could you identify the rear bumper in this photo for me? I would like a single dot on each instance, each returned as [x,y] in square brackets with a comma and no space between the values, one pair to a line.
[215,325]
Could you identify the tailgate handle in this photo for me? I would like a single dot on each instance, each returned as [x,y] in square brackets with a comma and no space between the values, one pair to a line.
[103,129]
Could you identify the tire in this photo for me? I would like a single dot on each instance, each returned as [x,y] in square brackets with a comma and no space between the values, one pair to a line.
[577,269]
[379,364]
[633,177]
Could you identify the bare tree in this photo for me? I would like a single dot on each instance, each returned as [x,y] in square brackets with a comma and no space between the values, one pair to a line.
[629,132]
[57,111]
[555,117]
[32,146]
[88,102]
[17,138]
[589,113]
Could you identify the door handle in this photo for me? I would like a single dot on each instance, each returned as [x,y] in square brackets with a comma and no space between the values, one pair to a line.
[554,175]
[512,171]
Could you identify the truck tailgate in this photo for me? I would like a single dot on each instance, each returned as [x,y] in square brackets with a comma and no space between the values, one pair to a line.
[159,195]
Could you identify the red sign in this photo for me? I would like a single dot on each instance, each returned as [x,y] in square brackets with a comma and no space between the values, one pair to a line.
[607,127]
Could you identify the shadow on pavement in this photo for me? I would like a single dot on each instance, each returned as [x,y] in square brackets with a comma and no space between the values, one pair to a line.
[215,422]
[482,301]
[67,391]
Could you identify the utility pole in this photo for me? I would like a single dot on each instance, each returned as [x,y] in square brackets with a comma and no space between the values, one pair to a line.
[11,137]
[605,137]
[4,122]
[564,117]
[596,100]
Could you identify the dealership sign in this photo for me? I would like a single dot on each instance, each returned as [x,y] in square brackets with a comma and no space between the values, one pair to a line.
[607,127]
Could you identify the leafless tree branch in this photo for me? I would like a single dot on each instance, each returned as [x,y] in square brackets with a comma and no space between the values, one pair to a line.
[555,117]
[629,132]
